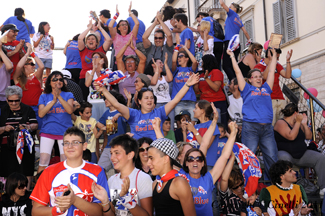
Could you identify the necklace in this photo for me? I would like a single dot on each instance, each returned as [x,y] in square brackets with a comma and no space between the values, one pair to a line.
[285,188]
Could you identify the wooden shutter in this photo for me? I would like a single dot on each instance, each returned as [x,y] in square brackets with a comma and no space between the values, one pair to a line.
[277,17]
[290,20]
[248,24]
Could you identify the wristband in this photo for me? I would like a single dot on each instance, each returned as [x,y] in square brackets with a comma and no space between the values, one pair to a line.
[116,16]
[105,204]
[32,55]
[232,56]
[187,85]
[56,211]
[109,208]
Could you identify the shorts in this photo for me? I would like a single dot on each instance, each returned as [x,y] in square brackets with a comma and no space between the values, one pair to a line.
[47,63]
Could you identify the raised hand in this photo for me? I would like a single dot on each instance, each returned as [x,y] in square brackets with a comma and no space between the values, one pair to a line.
[125,186]
[289,54]
[166,58]
[299,118]
[229,52]
[304,118]
[90,24]
[127,94]
[159,16]
[215,112]
[130,7]
[156,123]
[194,78]
[190,126]
[99,192]
[233,127]
[117,9]
[156,66]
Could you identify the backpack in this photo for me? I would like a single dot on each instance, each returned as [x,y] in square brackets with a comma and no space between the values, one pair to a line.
[218,30]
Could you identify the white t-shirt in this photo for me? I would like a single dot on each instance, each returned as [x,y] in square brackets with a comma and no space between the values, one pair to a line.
[161,90]
[235,108]
[140,186]
[167,22]
[43,50]
[94,96]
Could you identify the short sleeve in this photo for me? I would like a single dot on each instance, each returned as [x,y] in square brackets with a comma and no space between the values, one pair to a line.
[31,28]
[188,35]
[133,114]
[35,37]
[144,185]
[279,67]
[303,194]
[265,197]
[102,181]
[260,67]
[41,99]
[40,192]
[102,119]
[69,96]
[216,75]
[76,123]
[31,116]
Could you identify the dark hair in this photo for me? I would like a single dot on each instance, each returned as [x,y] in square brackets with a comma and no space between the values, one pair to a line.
[202,14]
[160,31]
[48,88]
[94,35]
[140,94]
[189,62]
[106,13]
[41,27]
[75,38]
[169,12]
[118,25]
[19,13]
[135,12]
[278,169]
[253,47]
[181,17]
[204,169]
[206,106]
[209,63]
[13,181]
[128,143]
[167,119]
[234,178]
[118,96]
[220,125]
[149,69]
[4,51]
[249,74]
[235,81]
[289,109]
[142,140]
[103,56]
[76,132]
[239,9]
[86,155]
[84,105]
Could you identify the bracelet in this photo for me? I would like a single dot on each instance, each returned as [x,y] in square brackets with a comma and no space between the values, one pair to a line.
[108,209]
[105,204]
[288,62]
[187,85]
[232,56]
[56,211]
[32,54]
[197,134]
[116,16]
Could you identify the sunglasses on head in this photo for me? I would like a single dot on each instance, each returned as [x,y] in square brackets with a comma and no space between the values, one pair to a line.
[191,159]
[57,79]
[159,38]
[11,101]
[31,63]
[143,149]
[144,89]
[241,185]
[22,186]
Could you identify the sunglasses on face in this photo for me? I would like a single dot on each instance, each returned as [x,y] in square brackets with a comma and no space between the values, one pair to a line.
[159,38]
[56,79]
[22,186]
[181,56]
[11,101]
[191,159]
[31,63]
[241,185]
[143,149]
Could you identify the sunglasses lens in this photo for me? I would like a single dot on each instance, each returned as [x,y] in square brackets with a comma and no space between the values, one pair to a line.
[141,149]
[22,186]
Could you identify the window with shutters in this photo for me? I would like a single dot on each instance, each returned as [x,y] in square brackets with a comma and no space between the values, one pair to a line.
[284,19]
[248,24]
[197,5]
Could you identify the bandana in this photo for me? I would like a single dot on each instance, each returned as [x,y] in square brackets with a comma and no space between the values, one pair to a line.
[21,142]
[166,177]
[109,77]
[128,201]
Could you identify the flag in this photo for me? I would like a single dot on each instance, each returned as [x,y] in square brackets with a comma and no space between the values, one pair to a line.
[22,135]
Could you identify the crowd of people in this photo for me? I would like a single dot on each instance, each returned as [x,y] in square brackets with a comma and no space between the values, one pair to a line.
[161,125]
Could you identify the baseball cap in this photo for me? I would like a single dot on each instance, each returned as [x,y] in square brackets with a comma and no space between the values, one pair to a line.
[182,112]
[66,74]
[145,79]
[9,26]
[168,147]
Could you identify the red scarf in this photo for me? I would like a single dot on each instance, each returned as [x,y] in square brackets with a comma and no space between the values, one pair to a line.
[166,177]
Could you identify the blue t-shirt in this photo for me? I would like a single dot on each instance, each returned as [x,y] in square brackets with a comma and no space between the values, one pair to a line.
[211,153]
[211,32]
[107,23]
[121,124]
[73,56]
[141,124]
[57,120]
[142,28]
[202,192]
[187,34]
[257,104]
[233,25]
[102,38]
[181,75]
[23,32]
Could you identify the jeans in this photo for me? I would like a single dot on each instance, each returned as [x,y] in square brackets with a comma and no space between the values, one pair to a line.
[171,115]
[93,158]
[222,105]
[186,105]
[262,134]
[215,205]
[312,159]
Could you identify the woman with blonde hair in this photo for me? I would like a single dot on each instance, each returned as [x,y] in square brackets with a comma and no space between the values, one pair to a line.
[253,57]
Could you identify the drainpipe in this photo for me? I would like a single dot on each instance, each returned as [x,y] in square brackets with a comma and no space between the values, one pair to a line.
[189,12]
[265,25]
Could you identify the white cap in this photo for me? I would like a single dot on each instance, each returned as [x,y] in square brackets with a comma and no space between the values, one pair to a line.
[66,74]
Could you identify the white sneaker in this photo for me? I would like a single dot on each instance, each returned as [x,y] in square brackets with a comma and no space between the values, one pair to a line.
[322,191]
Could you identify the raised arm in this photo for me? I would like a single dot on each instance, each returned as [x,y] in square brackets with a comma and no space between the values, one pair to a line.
[141,56]
[135,20]
[21,63]
[40,69]
[219,166]
[155,77]
[124,110]
[108,41]
[147,33]
[169,75]
[119,56]
[305,128]
[287,72]
[245,33]
[226,173]
[192,57]
[166,30]
[156,127]
[194,78]
[223,5]
[239,74]
[81,43]
[111,28]
[5,59]
[174,59]
[270,76]
[66,47]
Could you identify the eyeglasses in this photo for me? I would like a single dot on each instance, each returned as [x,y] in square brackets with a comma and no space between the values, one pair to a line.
[241,185]
[11,101]
[191,159]
[74,143]
[143,149]
[95,57]
[124,24]
[56,79]
[31,63]
[159,38]
[257,77]
[22,186]
[128,62]
[180,56]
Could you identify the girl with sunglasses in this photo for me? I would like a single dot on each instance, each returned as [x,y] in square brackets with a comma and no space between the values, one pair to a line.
[140,121]
[16,200]
[142,160]
[30,80]
[55,108]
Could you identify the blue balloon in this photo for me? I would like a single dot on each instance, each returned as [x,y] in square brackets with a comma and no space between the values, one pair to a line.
[296,73]
[316,107]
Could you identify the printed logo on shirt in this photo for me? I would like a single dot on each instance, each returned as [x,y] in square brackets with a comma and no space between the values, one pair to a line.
[237,22]
[201,190]
[260,92]
[58,191]
[146,126]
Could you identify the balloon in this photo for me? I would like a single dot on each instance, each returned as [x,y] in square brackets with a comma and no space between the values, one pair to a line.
[313,91]
[296,73]
[316,107]
[323,113]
